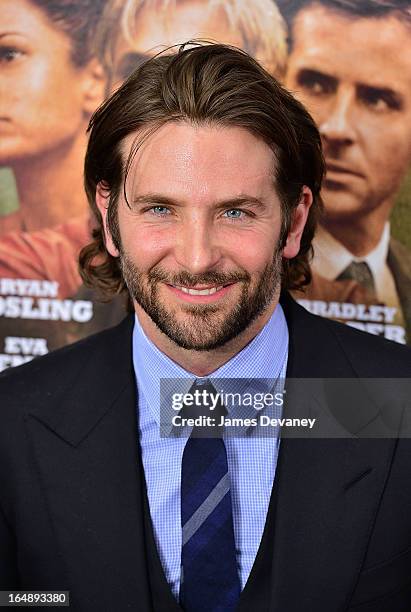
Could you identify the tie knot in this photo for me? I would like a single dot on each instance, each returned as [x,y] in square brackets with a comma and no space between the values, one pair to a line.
[207,408]
[359,271]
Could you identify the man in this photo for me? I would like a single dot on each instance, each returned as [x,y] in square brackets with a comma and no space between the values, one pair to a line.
[350,64]
[133,31]
[204,174]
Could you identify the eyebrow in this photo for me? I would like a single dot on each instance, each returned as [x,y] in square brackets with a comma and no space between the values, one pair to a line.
[158,199]
[4,34]
[310,74]
[391,97]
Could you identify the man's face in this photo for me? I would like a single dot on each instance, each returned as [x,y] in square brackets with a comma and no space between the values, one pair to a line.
[199,239]
[156,30]
[354,76]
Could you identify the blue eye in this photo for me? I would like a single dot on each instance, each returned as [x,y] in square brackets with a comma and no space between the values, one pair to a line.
[161,211]
[234,213]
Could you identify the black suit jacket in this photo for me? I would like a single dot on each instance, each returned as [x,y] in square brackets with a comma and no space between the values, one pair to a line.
[73,506]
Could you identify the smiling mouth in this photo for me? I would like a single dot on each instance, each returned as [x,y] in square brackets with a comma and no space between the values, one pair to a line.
[205,291]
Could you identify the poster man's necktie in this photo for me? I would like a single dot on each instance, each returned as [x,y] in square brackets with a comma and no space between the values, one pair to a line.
[360,272]
[209,581]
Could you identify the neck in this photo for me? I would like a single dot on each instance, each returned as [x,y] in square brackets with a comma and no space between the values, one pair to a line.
[50,186]
[359,234]
[202,363]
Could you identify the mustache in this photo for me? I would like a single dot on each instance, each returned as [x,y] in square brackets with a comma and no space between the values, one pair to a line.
[185,279]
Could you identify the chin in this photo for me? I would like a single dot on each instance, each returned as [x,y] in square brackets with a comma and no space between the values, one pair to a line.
[342,206]
[13,156]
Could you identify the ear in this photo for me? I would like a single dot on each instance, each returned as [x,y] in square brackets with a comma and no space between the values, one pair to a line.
[94,86]
[102,201]
[298,221]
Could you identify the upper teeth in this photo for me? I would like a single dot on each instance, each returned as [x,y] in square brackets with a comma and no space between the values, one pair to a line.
[200,291]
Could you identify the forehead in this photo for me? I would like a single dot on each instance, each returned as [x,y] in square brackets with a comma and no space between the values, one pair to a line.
[22,16]
[374,51]
[31,24]
[185,161]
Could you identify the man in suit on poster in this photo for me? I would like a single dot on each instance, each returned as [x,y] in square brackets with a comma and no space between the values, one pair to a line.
[205,175]
[350,64]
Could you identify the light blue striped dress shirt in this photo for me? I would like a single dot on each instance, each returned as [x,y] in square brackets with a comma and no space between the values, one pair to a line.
[251,461]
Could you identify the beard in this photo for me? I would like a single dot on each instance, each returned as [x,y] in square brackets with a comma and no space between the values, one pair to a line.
[203,327]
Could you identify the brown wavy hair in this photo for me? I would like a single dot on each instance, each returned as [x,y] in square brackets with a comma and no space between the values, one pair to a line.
[204,84]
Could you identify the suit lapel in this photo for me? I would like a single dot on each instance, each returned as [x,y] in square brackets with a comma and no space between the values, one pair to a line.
[87,453]
[325,490]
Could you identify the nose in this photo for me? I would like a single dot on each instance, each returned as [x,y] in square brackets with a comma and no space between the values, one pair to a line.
[338,127]
[197,249]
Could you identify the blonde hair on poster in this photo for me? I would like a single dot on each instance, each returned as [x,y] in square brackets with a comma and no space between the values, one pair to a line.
[259,23]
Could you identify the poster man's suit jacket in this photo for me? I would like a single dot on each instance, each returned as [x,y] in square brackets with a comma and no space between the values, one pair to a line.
[73,505]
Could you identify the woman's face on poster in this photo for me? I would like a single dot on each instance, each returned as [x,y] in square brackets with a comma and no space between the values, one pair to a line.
[41,90]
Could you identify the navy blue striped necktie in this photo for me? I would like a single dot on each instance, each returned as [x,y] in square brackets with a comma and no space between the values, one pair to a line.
[209,581]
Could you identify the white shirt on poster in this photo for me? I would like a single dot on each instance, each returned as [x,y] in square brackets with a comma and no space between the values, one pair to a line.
[331,258]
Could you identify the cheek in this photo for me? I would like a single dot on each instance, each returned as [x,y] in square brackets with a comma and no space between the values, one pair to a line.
[146,246]
[36,107]
[253,252]
[42,83]
[387,152]
[23,91]
[45,84]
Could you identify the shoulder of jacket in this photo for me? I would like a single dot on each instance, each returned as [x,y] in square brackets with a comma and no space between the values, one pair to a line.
[372,356]
[45,376]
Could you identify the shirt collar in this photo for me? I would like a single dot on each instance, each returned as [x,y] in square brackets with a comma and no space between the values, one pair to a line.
[265,357]
[331,257]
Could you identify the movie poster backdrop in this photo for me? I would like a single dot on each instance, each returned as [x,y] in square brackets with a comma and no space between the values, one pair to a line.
[60,59]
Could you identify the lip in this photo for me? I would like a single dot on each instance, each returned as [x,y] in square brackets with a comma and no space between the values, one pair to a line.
[340,170]
[203,299]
